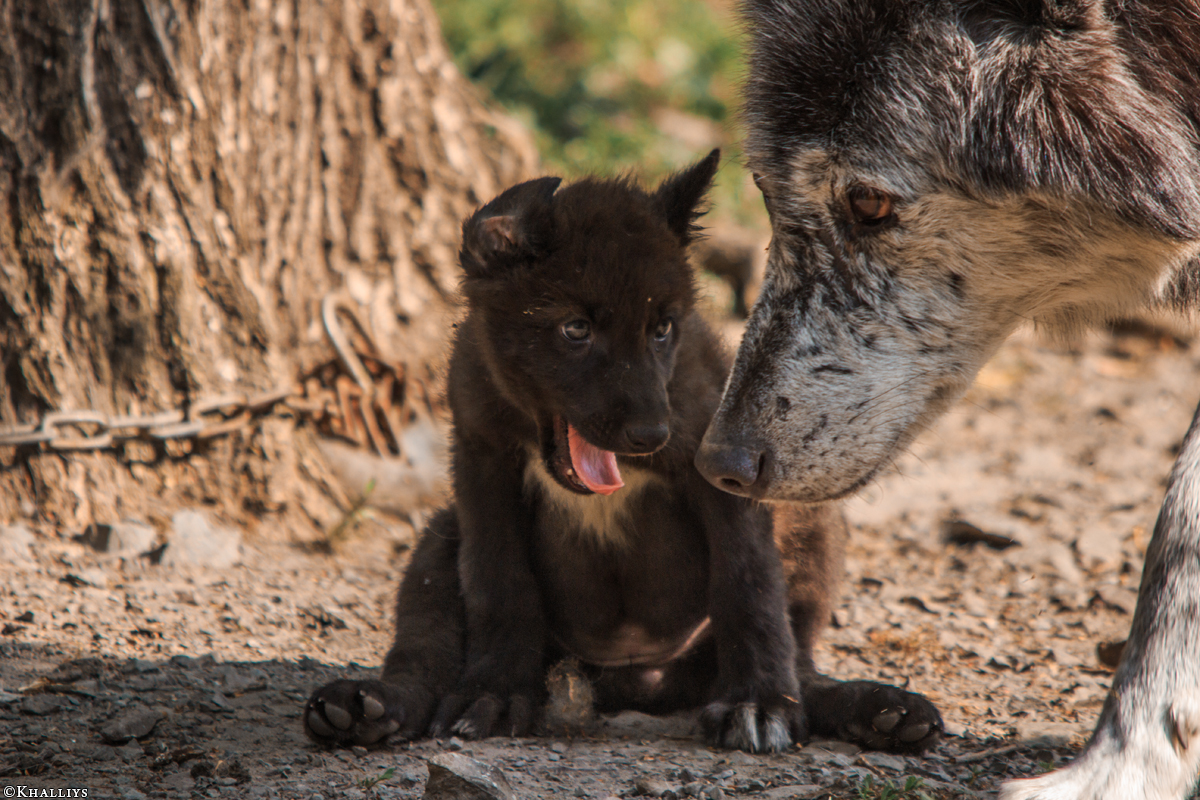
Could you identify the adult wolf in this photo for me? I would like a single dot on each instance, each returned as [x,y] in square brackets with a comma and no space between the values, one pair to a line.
[938,171]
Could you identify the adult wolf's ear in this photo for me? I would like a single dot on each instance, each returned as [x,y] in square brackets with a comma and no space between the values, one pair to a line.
[514,226]
[680,194]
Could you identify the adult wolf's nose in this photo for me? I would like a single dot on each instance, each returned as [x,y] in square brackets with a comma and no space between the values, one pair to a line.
[734,468]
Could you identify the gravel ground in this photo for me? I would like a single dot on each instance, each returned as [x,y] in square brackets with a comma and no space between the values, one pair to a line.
[175,679]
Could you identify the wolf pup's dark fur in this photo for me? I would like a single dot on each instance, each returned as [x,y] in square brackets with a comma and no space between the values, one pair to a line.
[581,382]
[939,172]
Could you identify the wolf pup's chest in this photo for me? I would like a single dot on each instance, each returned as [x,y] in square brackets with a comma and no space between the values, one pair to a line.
[610,521]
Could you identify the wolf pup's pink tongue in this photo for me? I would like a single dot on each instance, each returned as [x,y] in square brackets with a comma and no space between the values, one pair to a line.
[595,467]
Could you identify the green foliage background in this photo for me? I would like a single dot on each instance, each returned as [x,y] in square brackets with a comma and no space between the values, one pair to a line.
[613,86]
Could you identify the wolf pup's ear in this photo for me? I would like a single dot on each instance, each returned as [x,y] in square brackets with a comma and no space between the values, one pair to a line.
[513,226]
[680,194]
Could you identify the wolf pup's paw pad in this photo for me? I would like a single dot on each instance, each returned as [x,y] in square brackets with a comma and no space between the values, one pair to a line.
[876,716]
[356,713]
[483,716]
[753,727]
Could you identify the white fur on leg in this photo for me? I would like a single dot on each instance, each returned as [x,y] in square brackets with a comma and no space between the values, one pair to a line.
[1146,768]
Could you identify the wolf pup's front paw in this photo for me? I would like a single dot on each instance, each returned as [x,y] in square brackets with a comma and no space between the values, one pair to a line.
[364,712]
[480,715]
[874,715]
[756,727]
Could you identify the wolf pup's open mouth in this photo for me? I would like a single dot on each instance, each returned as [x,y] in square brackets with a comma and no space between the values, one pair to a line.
[581,465]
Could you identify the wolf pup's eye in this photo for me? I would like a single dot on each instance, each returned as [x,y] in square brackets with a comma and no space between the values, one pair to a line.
[662,330]
[577,330]
[869,206]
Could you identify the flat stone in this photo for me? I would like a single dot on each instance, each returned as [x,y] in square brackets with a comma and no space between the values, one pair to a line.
[453,776]
[133,724]
[653,787]
[885,761]
[129,538]
[1048,734]
[41,705]
[16,545]
[194,541]
[799,791]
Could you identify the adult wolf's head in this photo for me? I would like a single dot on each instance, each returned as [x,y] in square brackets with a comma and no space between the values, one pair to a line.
[936,172]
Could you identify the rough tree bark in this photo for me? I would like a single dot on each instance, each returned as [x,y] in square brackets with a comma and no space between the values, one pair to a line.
[181,183]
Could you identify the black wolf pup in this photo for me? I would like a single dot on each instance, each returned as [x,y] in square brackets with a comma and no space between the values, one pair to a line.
[581,383]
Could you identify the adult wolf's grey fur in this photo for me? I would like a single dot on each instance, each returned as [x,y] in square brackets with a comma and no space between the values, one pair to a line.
[938,172]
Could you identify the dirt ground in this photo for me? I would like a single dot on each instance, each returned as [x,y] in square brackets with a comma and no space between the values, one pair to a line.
[133,679]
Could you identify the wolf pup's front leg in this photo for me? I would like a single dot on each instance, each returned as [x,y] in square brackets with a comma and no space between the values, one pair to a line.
[756,704]
[502,680]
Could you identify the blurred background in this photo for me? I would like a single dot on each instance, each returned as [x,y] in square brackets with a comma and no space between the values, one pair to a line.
[614,86]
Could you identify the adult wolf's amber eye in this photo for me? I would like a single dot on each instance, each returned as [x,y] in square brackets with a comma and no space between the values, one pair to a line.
[577,330]
[869,206]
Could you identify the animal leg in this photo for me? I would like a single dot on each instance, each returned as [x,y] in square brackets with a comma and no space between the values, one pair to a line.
[874,715]
[1147,741]
[423,663]
[756,705]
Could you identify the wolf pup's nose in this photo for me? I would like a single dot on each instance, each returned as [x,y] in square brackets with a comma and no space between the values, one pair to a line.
[733,468]
[647,438]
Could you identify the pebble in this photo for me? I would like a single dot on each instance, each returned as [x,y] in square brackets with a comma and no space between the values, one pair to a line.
[885,761]
[1048,734]
[453,776]
[41,705]
[194,541]
[653,787]
[134,724]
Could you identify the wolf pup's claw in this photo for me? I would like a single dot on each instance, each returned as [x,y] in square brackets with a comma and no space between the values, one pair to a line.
[349,712]
[753,727]
[483,716]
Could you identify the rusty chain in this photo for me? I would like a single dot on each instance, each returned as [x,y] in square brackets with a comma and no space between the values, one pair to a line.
[94,430]
[359,406]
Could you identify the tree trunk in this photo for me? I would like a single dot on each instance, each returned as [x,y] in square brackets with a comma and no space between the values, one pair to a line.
[182,184]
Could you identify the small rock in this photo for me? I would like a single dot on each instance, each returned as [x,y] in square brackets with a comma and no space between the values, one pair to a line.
[713,793]
[194,541]
[1048,734]
[455,744]
[1118,598]
[558,747]
[800,791]
[132,538]
[41,705]
[134,724]
[1099,549]
[16,545]
[129,793]
[652,787]
[885,761]
[235,681]
[961,532]
[131,752]
[453,776]
[1109,653]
